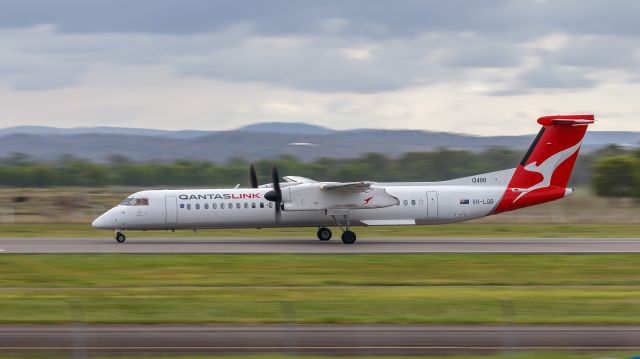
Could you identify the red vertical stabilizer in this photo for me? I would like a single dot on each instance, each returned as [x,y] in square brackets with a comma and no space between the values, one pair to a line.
[544,172]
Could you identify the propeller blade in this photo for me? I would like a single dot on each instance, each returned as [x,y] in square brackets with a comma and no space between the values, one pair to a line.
[278,192]
[253,178]
[275,179]
[278,212]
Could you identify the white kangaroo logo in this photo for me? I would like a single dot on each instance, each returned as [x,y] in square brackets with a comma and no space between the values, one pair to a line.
[547,168]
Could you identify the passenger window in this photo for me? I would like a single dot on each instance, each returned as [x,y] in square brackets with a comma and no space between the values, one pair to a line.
[221,205]
[261,204]
[189,206]
[413,202]
[422,202]
[214,206]
[238,205]
[253,205]
[206,206]
[181,205]
[405,202]
[270,204]
[197,205]
[246,205]
[230,205]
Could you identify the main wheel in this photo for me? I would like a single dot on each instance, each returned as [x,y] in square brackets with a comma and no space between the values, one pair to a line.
[120,238]
[324,234]
[348,237]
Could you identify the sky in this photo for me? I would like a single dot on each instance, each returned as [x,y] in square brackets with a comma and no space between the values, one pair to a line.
[486,67]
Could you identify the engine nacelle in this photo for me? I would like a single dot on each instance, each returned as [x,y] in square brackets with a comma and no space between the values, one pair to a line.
[310,197]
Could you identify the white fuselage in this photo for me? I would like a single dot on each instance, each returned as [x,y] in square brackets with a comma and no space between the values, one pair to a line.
[418,203]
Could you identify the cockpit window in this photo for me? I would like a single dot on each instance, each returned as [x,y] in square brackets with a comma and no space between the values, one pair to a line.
[135,202]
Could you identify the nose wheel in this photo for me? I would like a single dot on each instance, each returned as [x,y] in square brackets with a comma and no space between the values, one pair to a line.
[324,234]
[120,238]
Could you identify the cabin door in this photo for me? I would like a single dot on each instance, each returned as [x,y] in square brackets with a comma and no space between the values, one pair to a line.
[171,209]
[432,204]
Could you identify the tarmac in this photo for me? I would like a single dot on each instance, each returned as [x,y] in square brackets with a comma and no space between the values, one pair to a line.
[314,246]
[316,339]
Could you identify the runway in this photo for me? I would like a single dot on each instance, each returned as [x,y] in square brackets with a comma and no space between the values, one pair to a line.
[308,245]
[316,339]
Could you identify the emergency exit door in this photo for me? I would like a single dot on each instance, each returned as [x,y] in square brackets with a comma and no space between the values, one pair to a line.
[171,209]
[432,204]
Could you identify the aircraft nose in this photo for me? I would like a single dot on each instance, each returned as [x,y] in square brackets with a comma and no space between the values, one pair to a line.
[102,222]
[98,222]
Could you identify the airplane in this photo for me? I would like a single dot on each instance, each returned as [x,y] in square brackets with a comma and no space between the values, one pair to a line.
[540,177]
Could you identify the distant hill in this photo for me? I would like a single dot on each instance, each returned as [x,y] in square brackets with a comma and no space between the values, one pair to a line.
[124,131]
[286,127]
[264,127]
[304,141]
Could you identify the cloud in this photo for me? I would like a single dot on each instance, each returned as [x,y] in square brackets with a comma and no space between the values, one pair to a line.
[598,51]
[355,46]
[555,78]
[47,58]
[365,17]
[357,62]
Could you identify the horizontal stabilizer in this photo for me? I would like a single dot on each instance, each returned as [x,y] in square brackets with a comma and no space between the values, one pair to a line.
[566,120]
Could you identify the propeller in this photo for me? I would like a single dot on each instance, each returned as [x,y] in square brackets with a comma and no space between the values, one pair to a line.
[275,195]
[253,178]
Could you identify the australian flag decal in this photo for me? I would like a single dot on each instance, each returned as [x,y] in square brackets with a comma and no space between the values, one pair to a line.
[464,201]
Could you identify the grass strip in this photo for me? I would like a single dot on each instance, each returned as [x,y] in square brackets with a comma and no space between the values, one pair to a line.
[400,305]
[377,288]
[201,270]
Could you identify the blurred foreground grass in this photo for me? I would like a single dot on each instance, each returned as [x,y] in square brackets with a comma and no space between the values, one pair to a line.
[414,288]
[449,230]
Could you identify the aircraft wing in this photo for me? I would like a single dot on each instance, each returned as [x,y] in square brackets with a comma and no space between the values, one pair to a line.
[347,186]
[298,179]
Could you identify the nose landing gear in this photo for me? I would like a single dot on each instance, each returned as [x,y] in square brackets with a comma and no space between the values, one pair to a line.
[120,238]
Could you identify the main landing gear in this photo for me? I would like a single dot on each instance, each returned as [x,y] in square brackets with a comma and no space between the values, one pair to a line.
[120,238]
[348,236]
[324,234]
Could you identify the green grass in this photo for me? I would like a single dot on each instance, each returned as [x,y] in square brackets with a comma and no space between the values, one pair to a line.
[325,305]
[420,288]
[251,270]
[450,230]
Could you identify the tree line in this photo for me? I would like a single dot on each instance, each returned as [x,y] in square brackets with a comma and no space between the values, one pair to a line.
[617,176]
[613,171]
